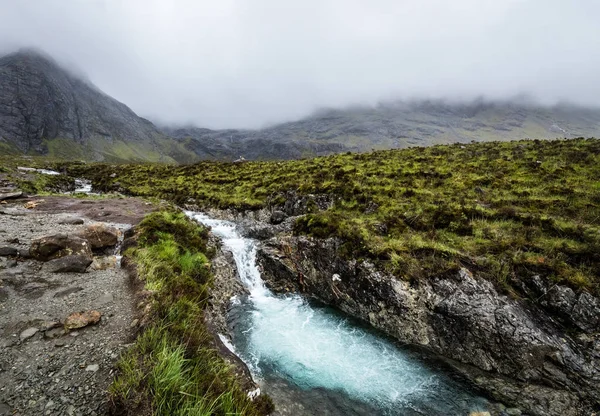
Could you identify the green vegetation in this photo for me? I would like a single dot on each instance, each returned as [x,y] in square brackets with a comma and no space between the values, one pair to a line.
[508,210]
[173,367]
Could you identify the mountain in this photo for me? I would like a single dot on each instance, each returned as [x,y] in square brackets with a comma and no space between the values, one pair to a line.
[45,109]
[398,125]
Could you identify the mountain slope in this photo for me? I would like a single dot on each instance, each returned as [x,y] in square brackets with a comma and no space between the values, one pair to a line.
[46,110]
[399,125]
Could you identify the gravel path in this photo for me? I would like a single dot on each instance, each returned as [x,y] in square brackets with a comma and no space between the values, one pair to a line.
[44,371]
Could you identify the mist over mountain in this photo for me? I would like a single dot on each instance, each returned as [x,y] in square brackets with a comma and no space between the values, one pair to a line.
[46,109]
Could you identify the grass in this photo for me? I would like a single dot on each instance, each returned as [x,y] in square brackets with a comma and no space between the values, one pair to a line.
[507,210]
[173,368]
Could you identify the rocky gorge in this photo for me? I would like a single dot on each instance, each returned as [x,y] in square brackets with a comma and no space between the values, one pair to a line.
[539,357]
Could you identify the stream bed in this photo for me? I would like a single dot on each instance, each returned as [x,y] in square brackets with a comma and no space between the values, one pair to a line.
[315,361]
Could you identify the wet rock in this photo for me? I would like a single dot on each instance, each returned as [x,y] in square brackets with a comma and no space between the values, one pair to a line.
[277,217]
[28,333]
[7,251]
[101,236]
[586,313]
[71,221]
[259,232]
[10,195]
[82,319]
[24,253]
[59,245]
[512,350]
[69,264]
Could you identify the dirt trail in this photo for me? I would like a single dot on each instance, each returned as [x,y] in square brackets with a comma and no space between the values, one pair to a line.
[44,371]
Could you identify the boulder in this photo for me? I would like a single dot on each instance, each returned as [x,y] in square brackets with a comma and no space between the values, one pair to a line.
[81,319]
[59,245]
[101,236]
[7,251]
[69,264]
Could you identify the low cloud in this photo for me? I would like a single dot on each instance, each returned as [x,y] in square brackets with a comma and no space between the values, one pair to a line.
[242,63]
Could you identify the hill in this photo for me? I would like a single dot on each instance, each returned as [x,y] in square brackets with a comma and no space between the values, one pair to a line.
[399,125]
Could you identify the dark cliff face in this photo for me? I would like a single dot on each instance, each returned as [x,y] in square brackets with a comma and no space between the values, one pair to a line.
[45,109]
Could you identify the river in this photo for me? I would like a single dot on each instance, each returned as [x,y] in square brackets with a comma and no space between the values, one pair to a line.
[315,361]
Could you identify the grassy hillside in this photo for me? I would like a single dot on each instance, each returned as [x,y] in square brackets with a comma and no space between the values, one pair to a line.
[509,210]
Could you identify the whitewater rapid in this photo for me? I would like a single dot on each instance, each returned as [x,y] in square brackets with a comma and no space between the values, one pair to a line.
[312,347]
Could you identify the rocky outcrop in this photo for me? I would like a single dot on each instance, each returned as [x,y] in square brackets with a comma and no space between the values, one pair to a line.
[512,349]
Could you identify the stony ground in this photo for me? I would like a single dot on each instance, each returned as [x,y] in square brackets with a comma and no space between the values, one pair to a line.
[43,368]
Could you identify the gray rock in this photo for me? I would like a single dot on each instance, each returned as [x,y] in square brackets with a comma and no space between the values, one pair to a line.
[69,264]
[8,251]
[277,217]
[71,221]
[92,367]
[511,349]
[28,333]
[10,195]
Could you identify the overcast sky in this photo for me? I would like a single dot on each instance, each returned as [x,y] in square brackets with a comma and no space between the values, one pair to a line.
[236,63]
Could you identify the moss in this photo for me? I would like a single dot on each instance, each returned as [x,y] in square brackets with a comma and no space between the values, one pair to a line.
[173,367]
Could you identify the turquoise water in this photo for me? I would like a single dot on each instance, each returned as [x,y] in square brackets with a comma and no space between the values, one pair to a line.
[329,361]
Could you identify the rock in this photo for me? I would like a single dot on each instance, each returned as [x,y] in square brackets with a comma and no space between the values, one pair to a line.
[7,251]
[71,221]
[10,195]
[101,236]
[259,232]
[59,245]
[69,264]
[81,319]
[480,414]
[24,254]
[28,333]
[92,367]
[103,263]
[277,217]
[511,349]
[3,294]
[512,411]
[586,313]
[54,333]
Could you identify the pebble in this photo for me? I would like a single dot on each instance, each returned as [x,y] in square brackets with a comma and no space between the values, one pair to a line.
[92,367]
[28,333]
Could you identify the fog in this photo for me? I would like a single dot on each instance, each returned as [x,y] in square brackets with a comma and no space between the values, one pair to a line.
[236,63]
